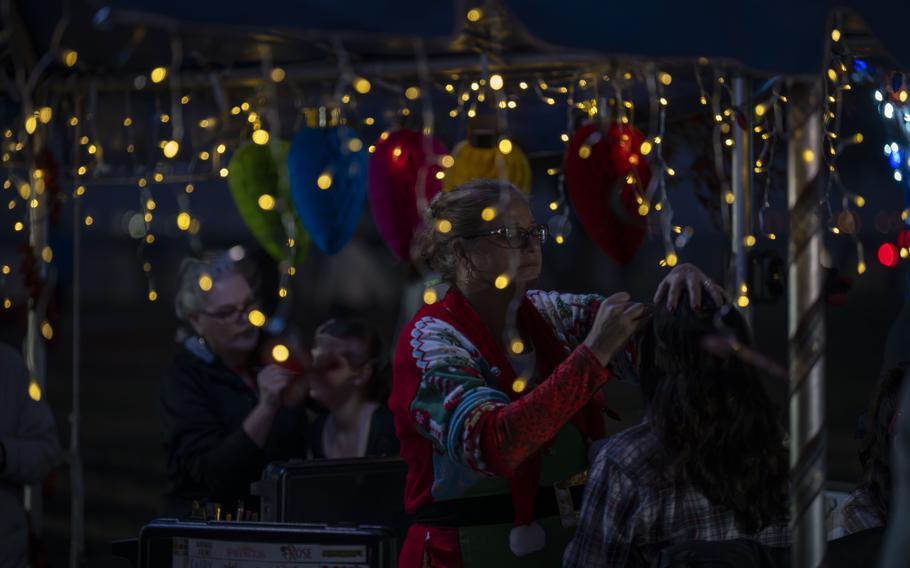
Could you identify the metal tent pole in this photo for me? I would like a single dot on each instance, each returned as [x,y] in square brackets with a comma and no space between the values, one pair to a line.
[808,441]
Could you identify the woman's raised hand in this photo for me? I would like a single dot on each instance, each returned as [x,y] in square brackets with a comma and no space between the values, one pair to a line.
[616,321]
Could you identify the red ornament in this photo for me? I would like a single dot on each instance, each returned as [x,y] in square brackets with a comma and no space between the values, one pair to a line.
[888,255]
[903,239]
[598,164]
[402,181]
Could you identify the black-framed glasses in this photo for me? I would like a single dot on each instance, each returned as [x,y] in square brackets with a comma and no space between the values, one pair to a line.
[225,313]
[515,237]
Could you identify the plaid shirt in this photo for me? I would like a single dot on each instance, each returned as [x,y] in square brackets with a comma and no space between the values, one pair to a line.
[631,511]
[857,513]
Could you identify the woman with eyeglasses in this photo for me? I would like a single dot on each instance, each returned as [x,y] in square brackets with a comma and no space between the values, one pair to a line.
[354,386]
[497,387]
[223,415]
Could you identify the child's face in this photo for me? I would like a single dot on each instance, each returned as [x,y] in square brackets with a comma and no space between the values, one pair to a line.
[344,369]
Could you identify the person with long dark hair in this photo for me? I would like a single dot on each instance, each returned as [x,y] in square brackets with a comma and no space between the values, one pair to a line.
[497,387]
[867,506]
[707,463]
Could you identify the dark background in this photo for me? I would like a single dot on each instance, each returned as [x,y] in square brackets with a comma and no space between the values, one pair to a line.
[127,342]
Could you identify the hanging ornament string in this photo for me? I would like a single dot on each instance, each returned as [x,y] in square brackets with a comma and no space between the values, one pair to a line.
[656,194]
[271,77]
[768,119]
[836,85]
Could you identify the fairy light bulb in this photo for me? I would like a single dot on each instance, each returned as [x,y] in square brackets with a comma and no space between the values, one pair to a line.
[277,75]
[665,79]
[45,114]
[645,148]
[517,346]
[474,14]
[444,226]
[224,172]
[488,214]
[205,282]
[34,390]
[47,331]
[496,82]
[170,149]
[760,109]
[742,301]
[749,241]
[860,267]
[672,259]
[183,221]
[447,161]
[835,35]
[505,146]
[501,282]
[158,74]
[362,85]
[519,385]
[47,254]
[280,353]
[584,152]
[31,124]
[355,145]
[324,181]
[261,137]
[412,93]
[554,206]
[266,202]
[429,296]
[70,57]
[256,318]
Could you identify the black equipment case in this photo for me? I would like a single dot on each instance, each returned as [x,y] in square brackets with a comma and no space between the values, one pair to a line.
[356,491]
[168,543]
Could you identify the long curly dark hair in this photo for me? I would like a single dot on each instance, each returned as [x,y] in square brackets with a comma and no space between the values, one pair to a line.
[719,428]
[875,453]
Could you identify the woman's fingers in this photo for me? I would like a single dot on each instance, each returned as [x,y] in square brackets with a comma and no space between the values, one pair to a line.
[717,293]
[694,287]
[677,285]
[661,291]
[617,298]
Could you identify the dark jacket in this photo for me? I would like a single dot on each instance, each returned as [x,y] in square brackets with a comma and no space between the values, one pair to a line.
[209,456]
[380,442]
[28,435]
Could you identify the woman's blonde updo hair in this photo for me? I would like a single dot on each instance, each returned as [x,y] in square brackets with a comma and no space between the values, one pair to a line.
[454,214]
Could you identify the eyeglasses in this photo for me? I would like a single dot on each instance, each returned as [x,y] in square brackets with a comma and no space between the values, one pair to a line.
[231,312]
[515,237]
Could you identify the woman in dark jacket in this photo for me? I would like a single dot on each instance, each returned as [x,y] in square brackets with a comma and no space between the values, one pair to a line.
[223,416]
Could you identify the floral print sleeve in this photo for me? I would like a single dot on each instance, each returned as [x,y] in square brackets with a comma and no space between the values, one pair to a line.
[454,392]
[571,316]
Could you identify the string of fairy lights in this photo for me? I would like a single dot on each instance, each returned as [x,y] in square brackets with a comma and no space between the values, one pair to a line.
[593,92]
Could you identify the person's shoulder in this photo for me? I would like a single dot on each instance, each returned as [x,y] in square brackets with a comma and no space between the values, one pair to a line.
[383,417]
[15,373]
[9,357]
[383,441]
[632,451]
[187,369]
